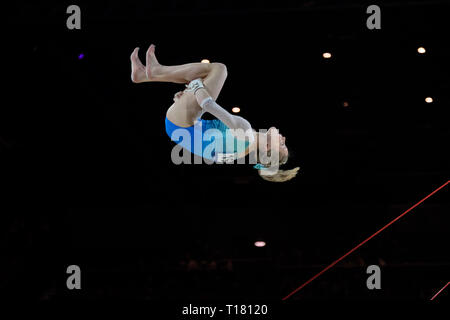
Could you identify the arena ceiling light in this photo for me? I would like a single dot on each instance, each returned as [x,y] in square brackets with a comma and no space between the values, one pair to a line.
[260,244]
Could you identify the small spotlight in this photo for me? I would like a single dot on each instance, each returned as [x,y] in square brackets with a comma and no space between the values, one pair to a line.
[236,109]
[205,61]
[326,55]
[421,50]
[428,99]
[80,56]
[345,104]
[260,244]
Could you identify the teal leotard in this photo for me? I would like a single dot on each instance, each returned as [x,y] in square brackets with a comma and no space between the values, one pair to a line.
[206,138]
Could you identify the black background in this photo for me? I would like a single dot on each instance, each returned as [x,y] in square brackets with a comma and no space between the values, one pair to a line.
[87,177]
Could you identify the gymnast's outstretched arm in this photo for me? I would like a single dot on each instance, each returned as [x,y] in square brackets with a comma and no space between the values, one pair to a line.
[207,103]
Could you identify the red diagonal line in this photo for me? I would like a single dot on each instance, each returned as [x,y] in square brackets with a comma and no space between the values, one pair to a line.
[437,293]
[362,243]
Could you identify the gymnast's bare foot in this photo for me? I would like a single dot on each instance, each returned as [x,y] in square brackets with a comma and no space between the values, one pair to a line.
[137,68]
[153,67]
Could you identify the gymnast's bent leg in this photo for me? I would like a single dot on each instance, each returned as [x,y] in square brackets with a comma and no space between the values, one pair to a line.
[185,110]
[156,72]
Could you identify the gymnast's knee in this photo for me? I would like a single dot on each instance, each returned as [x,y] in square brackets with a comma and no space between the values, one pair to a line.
[220,67]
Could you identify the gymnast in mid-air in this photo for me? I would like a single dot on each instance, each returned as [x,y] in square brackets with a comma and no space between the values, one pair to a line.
[214,140]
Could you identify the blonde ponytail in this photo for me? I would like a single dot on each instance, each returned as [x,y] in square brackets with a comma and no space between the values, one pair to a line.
[281,175]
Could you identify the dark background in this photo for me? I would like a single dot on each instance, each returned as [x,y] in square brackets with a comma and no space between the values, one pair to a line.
[87,177]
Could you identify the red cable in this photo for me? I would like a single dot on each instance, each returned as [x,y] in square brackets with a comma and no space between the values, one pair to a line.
[362,243]
[440,291]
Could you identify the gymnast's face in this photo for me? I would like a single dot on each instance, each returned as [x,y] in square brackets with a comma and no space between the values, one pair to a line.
[278,144]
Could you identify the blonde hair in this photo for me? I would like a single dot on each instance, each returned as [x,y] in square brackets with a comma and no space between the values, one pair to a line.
[281,175]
